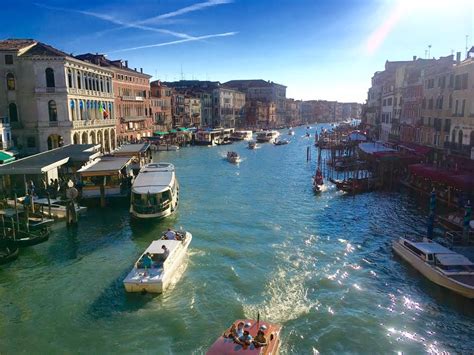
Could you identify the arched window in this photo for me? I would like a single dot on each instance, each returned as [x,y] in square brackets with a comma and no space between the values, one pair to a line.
[69,78]
[108,85]
[81,109]
[73,109]
[90,82]
[49,78]
[86,81]
[453,136]
[12,112]
[10,81]
[460,134]
[101,84]
[79,83]
[53,111]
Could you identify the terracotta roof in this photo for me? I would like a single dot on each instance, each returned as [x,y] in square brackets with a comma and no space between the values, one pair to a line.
[101,60]
[12,44]
[252,83]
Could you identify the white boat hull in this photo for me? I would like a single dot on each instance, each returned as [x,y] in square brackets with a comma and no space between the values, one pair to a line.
[431,273]
[136,281]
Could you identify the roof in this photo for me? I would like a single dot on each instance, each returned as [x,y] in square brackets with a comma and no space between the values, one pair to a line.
[431,248]
[155,246]
[43,162]
[105,166]
[371,148]
[101,60]
[453,259]
[13,44]
[251,83]
[42,49]
[459,179]
[131,149]
[154,178]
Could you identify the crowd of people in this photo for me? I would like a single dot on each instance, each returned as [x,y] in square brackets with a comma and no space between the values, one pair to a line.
[242,336]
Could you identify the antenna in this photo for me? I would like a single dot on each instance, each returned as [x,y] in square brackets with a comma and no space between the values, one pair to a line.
[426,53]
[429,51]
[467,41]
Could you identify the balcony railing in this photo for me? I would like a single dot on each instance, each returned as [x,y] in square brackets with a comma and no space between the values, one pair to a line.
[52,90]
[132,98]
[84,92]
[93,123]
[133,118]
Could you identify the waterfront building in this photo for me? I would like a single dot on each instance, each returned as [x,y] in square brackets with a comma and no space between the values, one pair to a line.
[161,108]
[292,112]
[194,105]
[5,133]
[229,107]
[53,99]
[263,91]
[260,114]
[132,98]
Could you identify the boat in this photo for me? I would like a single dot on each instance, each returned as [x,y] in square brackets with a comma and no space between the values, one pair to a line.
[224,141]
[155,191]
[291,132]
[24,239]
[157,278]
[165,147]
[438,264]
[56,208]
[267,136]
[233,157]
[241,135]
[8,252]
[318,180]
[281,142]
[252,145]
[226,343]
[30,221]
[452,221]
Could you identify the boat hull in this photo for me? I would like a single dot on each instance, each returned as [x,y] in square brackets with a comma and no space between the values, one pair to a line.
[430,273]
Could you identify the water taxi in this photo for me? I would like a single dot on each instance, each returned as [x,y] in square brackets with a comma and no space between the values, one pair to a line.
[229,343]
[241,135]
[267,136]
[233,157]
[154,271]
[439,264]
[155,191]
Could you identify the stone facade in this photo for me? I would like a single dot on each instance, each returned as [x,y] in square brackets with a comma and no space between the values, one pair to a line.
[161,106]
[229,107]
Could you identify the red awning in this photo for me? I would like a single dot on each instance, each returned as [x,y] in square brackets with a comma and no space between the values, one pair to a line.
[459,179]
[415,148]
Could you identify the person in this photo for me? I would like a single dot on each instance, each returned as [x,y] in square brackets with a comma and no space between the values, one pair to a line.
[245,339]
[166,252]
[170,235]
[147,262]
[259,339]
[240,330]
[232,332]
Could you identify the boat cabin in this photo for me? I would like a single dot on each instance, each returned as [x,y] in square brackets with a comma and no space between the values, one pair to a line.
[241,135]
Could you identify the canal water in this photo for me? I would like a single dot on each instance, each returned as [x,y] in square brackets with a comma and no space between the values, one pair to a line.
[321,266]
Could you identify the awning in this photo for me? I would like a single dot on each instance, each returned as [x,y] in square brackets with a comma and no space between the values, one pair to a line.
[5,157]
[415,148]
[172,131]
[182,129]
[160,133]
[460,180]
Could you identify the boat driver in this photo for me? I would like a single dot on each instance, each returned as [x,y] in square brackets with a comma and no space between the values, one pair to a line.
[170,235]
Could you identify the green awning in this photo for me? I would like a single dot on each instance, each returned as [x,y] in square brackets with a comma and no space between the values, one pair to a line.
[6,158]
[173,131]
[182,129]
[159,133]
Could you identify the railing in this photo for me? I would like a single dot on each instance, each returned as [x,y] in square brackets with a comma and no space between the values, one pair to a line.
[85,92]
[50,90]
[457,148]
[132,98]
[93,123]
[133,118]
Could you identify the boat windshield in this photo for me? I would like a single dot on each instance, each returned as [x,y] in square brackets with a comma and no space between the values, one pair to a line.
[151,203]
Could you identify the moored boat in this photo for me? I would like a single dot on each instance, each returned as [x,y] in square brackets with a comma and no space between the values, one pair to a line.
[8,252]
[291,132]
[241,135]
[438,264]
[154,271]
[265,343]
[55,208]
[24,239]
[267,136]
[164,147]
[233,157]
[155,191]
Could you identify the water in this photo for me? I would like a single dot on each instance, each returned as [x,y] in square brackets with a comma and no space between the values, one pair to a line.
[322,266]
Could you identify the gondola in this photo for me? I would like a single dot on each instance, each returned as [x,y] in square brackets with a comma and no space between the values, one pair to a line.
[26,239]
[8,252]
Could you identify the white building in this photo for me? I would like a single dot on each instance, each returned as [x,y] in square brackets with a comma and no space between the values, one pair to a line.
[228,106]
[53,99]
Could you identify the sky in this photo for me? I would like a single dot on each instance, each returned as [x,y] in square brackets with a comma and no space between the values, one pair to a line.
[324,50]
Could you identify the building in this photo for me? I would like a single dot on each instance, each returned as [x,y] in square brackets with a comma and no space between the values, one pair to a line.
[5,134]
[194,105]
[229,108]
[53,99]
[260,114]
[161,108]
[263,91]
[292,113]
[132,98]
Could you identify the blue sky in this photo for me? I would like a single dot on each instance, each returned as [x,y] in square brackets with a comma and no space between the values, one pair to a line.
[319,49]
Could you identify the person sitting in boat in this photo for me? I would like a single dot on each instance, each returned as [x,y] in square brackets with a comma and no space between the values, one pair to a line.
[170,234]
[146,261]
[245,339]
[166,252]
[259,339]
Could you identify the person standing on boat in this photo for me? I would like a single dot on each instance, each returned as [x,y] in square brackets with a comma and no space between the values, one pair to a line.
[166,252]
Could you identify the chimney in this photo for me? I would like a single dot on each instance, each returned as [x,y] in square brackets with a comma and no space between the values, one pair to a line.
[135,69]
[141,70]
[414,57]
[126,64]
[458,57]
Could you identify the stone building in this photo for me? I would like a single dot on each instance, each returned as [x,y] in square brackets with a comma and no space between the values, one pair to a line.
[52,98]
[260,114]
[161,106]
[132,98]
[229,108]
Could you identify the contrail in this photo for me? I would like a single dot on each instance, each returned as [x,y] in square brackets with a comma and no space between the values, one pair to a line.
[226,34]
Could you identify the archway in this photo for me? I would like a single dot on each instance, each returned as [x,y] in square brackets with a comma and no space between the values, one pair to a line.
[92,137]
[55,141]
[100,139]
[75,138]
[84,138]
[106,141]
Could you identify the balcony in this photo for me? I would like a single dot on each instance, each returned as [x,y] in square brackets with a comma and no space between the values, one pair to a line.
[133,118]
[84,92]
[132,98]
[93,123]
[53,90]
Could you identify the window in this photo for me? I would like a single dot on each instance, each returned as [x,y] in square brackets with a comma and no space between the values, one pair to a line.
[31,142]
[79,84]
[69,78]
[389,102]
[8,59]
[447,125]
[13,112]
[430,103]
[53,111]
[450,103]
[49,78]
[10,81]
[463,107]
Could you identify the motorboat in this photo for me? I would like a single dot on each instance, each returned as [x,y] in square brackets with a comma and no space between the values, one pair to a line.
[241,135]
[291,132]
[252,145]
[267,136]
[318,180]
[165,147]
[224,141]
[233,157]
[56,208]
[438,264]
[155,191]
[281,142]
[157,277]
[227,343]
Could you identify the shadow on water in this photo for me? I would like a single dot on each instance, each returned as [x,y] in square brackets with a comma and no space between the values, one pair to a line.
[151,228]
[114,300]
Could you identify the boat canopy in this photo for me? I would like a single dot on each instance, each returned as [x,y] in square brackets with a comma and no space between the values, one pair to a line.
[453,259]
[155,246]
[154,178]
[431,248]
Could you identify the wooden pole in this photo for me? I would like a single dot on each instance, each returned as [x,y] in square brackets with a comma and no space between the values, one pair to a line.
[16,212]
[49,205]
[102,194]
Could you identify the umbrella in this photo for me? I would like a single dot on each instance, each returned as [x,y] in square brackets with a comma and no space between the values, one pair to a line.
[432,214]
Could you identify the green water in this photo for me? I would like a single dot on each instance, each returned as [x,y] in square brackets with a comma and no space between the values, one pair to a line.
[322,266]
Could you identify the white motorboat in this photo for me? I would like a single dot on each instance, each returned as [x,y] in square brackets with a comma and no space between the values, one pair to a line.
[165,147]
[267,136]
[439,264]
[155,191]
[233,157]
[252,145]
[158,276]
[58,207]
[241,135]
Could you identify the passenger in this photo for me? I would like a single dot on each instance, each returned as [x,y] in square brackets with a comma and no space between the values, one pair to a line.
[166,252]
[245,339]
[147,262]
[240,329]
[170,235]
[232,332]
[260,340]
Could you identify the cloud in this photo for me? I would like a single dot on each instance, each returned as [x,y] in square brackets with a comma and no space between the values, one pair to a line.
[226,34]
